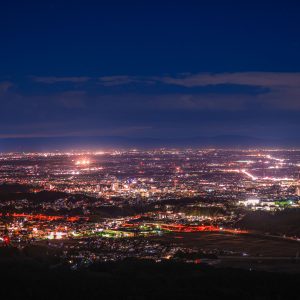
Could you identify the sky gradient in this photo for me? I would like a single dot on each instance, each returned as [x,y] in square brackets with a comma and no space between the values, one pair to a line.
[150,70]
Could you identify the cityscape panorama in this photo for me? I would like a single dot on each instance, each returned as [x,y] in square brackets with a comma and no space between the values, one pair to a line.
[150,149]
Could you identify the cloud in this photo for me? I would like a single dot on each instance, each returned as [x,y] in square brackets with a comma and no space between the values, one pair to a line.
[179,104]
[283,89]
[54,79]
[280,90]
[263,79]
[117,80]
[5,86]
[125,79]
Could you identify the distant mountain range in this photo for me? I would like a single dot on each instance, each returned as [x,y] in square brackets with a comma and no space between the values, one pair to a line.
[108,142]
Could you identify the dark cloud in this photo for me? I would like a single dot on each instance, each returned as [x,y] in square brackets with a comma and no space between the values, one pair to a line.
[5,86]
[281,90]
[54,79]
[264,79]
[117,80]
[201,104]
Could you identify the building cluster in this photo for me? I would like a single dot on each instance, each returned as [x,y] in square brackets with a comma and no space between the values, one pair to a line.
[111,205]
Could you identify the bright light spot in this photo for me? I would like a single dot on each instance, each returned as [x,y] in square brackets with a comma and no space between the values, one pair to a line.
[82,162]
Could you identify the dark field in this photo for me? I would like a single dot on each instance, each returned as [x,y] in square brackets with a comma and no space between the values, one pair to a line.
[243,243]
[243,251]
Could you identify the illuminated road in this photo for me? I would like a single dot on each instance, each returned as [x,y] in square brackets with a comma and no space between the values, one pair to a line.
[186,228]
[44,217]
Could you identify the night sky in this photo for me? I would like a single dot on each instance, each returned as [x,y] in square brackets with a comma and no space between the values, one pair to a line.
[144,69]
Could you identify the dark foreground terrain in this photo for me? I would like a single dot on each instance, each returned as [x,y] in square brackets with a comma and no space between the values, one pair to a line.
[30,276]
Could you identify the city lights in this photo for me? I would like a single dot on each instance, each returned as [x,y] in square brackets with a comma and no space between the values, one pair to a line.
[83,162]
[79,199]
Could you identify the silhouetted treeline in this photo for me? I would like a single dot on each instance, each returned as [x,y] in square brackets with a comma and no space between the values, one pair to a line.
[281,222]
[131,279]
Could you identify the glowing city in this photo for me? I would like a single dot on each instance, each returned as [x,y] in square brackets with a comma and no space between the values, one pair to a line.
[143,195]
[150,150]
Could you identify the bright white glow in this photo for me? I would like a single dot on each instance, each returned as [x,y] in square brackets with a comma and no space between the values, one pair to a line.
[50,236]
[82,162]
[250,202]
[59,235]
[249,174]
